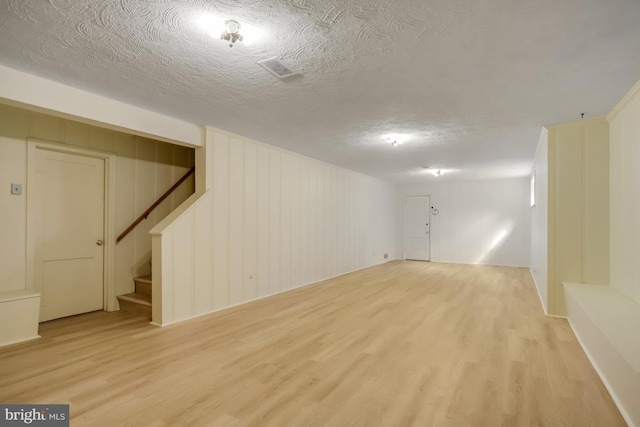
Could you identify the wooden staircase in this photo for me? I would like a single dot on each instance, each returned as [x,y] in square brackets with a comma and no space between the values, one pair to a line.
[138,302]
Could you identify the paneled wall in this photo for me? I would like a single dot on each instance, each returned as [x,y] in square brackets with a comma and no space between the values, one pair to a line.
[144,170]
[479,222]
[606,318]
[539,219]
[271,221]
[578,207]
[625,195]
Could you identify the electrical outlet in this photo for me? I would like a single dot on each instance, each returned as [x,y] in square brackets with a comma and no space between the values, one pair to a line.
[386,256]
[16,189]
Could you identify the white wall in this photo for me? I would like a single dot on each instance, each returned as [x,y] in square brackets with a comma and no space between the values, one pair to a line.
[480,222]
[539,219]
[144,170]
[271,221]
[624,124]
[37,94]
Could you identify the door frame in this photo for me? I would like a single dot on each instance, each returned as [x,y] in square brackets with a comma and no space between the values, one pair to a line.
[404,224]
[109,298]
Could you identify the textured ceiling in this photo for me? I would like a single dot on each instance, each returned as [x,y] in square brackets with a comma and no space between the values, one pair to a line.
[470,81]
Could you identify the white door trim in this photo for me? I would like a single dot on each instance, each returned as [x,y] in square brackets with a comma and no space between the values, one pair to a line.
[110,302]
[404,224]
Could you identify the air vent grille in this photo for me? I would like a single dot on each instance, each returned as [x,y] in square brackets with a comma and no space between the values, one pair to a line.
[277,68]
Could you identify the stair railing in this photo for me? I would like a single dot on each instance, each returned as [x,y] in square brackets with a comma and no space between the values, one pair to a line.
[155,204]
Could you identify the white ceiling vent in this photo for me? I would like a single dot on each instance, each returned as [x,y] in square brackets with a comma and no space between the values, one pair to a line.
[277,68]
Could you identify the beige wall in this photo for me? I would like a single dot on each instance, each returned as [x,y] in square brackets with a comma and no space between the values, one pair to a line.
[578,207]
[625,195]
[606,318]
[539,220]
[271,221]
[144,170]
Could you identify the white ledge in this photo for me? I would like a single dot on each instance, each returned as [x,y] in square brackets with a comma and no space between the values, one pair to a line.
[614,314]
[607,325]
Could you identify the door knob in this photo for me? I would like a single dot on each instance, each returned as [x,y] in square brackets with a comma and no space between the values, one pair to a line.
[99,243]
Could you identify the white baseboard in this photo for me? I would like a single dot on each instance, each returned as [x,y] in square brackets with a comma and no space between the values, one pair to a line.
[606,383]
[544,306]
[227,307]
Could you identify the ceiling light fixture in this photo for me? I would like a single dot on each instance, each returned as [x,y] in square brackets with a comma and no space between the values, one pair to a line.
[396,139]
[435,171]
[231,32]
[229,29]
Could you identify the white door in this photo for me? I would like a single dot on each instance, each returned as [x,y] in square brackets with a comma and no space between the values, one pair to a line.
[416,228]
[66,196]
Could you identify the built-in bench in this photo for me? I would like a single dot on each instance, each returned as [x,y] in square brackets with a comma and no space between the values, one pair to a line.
[607,324]
[19,312]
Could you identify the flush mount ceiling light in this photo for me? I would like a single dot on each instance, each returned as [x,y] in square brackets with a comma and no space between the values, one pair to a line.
[435,171]
[396,139]
[440,172]
[231,32]
[229,29]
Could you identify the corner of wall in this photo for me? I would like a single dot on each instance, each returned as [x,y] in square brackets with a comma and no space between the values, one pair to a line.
[540,220]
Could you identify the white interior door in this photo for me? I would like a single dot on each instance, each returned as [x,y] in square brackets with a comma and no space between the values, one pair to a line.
[66,197]
[416,228]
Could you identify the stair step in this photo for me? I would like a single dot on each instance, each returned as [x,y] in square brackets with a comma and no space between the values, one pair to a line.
[136,303]
[145,279]
[137,298]
[143,285]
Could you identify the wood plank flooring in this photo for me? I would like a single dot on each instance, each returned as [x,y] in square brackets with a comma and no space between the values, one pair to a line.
[401,344]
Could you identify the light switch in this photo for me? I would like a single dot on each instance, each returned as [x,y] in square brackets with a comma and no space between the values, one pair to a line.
[16,189]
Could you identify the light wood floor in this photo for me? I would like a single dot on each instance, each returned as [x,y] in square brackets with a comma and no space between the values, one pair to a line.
[402,344]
